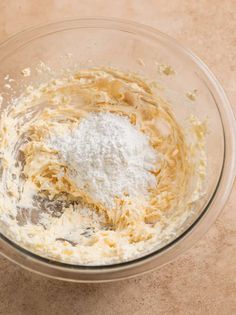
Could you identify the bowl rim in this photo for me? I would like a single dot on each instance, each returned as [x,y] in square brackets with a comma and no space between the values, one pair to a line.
[99,273]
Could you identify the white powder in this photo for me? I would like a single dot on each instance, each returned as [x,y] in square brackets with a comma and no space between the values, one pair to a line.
[110,157]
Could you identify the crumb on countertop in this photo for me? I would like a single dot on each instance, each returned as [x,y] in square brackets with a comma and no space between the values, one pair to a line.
[141,62]
[191,95]
[26,72]
[165,69]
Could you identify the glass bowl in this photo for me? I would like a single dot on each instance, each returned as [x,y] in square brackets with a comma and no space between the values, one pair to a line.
[90,42]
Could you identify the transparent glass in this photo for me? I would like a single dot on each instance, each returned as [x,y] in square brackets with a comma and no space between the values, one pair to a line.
[85,43]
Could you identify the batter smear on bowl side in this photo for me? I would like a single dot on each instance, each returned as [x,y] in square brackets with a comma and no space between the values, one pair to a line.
[95,168]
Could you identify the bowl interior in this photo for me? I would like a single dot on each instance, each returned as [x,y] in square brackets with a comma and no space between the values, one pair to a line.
[93,43]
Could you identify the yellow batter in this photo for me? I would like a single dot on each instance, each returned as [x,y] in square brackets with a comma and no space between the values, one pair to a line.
[38,194]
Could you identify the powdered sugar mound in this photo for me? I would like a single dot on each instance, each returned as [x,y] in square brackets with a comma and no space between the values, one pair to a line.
[111,157]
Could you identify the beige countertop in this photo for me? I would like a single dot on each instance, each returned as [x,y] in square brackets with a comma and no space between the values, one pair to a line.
[201,281]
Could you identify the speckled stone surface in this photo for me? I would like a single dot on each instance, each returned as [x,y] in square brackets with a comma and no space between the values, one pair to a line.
[201,281]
